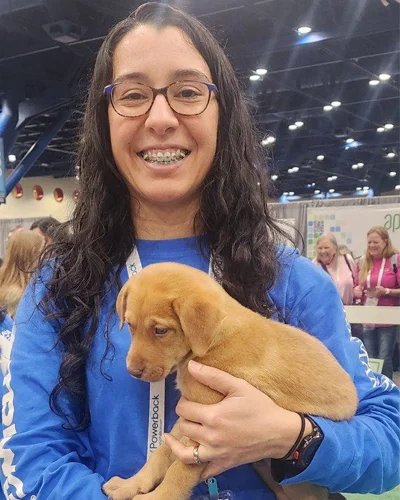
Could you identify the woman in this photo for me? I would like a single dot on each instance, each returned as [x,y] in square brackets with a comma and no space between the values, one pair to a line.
[49,227]
[378,284]
[171,171]
[340,267]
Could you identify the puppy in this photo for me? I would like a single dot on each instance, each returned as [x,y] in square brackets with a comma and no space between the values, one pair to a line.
[177,313]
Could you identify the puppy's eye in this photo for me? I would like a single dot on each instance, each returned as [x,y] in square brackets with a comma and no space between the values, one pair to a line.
[161,330]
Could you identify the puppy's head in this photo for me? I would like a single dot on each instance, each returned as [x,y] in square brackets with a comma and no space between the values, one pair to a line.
[173,312]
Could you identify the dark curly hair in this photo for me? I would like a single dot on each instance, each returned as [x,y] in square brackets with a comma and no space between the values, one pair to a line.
[233,210]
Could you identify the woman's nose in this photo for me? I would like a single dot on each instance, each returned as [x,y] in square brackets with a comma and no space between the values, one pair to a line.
[161,117]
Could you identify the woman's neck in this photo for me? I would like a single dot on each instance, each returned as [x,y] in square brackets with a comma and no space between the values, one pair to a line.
[164,222]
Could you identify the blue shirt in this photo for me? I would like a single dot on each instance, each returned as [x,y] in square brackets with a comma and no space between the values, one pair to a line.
[42,458]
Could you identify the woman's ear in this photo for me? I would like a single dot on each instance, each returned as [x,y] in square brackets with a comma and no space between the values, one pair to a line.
[200,317]
[121,304]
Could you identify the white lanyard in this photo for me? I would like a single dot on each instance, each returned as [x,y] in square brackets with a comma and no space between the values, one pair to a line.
[157,389]
[380,275]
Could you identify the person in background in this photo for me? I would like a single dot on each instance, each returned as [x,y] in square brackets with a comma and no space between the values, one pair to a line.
[172,171]
[49,227]
[345,250]
[341,267]
[378,284]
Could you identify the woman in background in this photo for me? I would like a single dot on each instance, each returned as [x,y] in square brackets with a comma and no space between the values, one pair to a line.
[341,267]
[49,228]
[378,284]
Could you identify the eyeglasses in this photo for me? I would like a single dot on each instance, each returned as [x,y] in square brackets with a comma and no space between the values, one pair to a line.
[132,99]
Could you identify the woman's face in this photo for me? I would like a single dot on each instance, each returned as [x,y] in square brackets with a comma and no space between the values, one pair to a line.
[376,245]
[326,251]
[158,58]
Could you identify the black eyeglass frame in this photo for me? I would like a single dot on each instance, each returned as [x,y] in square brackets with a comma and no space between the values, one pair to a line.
[108,91]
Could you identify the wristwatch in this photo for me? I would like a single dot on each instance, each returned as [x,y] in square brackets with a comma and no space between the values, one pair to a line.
[302,456]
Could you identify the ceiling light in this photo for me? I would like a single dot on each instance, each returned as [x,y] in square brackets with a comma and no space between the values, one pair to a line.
[308,185]
[336,104]
[317,191]
[380,129]
[391,155]
[329,179]
[328,107]
[261,71]
[384,77]
[320,157]
[360,165]
[12,158]
[312,184]
[397,187]
[295,169]
[291,193]
[299,124]
[290,171]
[374,82]
[285,193]
[392,174]
[366,188]
[274,177]
[349,140]
[292,127]
[355,166]
[304,30]
[254,78]
[358,189]
[389,126]
[334,177]
[346,148]
[331,190]
[268,140]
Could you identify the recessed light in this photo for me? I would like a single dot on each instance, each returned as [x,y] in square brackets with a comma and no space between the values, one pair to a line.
[317,191]
[261,71]
[392,174]
[390,155]
[389,126]
[355,166]
[295,169]
[397,187]
[292,127]
[374,82]
[320,157]
[12,158]
[291,193]
[360,165]
[329,179]
[336,104]
[299,123]
[380,129]
[384,77]
[304,30]
[328,107]
[349,140]
[268,140]
[358,189]
[334,177]
[254,78]
[331,190]
[274,177]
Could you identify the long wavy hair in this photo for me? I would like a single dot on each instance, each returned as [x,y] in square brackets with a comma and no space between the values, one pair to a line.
[22,257]
[233,209]
[388,251]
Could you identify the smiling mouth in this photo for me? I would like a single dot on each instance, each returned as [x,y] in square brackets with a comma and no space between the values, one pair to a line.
[164,158]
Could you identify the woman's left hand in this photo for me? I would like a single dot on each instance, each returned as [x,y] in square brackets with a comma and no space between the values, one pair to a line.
[244,427]
[377,292]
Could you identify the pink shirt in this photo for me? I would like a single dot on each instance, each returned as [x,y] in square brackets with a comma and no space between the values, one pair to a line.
[343,277]
[389,280]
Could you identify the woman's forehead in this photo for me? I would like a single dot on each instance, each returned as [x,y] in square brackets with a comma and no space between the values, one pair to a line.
[152,53]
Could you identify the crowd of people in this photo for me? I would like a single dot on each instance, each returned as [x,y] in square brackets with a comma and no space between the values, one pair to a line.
[373,281]
[172,170]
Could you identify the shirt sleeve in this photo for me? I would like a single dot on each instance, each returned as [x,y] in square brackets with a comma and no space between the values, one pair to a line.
[360,455]
[41,458]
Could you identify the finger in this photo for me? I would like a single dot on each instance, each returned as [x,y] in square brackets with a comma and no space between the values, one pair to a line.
[182,452]
[196,412]
[218,380]
[193,431]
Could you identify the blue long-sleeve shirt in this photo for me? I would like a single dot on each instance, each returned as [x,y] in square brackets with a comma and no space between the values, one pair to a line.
[43,460]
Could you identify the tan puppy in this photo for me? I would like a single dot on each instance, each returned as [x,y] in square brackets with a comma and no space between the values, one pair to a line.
[177,313]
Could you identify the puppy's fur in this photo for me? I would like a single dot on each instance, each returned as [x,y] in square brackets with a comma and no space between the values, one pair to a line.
[205,324]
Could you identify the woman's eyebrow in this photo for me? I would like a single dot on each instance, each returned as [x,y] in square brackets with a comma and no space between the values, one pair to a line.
[178,74]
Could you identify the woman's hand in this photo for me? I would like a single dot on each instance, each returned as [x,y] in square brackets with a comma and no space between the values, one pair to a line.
[358,293]
[377,292]
[244,427]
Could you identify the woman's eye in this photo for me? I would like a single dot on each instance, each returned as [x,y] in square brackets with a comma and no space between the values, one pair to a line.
[161,330]
[133,96]
[187,94]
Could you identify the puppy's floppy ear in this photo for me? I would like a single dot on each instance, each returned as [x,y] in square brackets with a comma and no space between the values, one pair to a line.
[121,304]
[200,317]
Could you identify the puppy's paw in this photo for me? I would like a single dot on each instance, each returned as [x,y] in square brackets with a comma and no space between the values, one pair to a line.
[120,489]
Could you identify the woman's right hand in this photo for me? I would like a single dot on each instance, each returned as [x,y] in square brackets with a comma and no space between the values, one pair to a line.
[358,292]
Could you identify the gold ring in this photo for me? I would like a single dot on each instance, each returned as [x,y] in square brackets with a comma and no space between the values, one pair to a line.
[197,460]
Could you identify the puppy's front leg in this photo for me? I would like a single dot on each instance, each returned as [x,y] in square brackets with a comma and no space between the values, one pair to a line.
[149,476]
